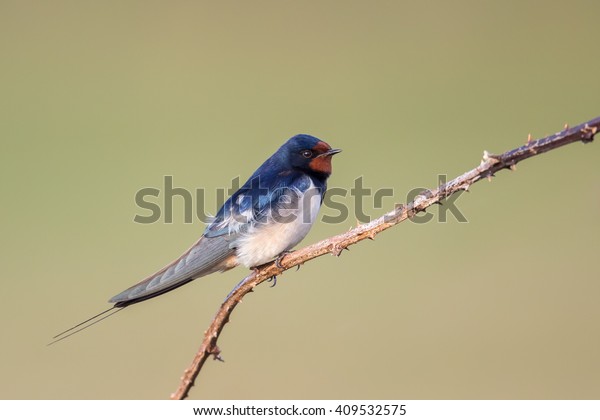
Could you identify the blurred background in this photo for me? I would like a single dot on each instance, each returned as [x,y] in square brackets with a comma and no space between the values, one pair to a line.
[101,99]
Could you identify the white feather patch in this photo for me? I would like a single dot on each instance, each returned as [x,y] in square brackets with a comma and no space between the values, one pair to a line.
[284,228]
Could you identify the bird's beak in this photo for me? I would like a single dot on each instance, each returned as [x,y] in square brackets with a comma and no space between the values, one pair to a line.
[331,152]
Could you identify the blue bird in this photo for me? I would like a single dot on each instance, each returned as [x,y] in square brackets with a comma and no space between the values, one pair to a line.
[269,215]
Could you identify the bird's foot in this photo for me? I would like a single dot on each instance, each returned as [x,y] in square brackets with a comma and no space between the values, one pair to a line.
[274,280]
[280,257]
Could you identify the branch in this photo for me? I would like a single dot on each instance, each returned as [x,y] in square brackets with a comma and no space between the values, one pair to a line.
[489,165]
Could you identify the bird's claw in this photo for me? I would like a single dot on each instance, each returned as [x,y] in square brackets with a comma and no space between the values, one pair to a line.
[280,257]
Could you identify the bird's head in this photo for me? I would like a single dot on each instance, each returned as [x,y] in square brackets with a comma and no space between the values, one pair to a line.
[309,154]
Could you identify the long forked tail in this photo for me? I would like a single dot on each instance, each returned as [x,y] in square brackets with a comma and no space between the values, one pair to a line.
[206,256]
[85,324]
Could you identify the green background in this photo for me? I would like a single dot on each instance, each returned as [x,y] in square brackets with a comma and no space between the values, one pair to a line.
[100,99]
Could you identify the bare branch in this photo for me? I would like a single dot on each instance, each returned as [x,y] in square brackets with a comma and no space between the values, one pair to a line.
[490,164]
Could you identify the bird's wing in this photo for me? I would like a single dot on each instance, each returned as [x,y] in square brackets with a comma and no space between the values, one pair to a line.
[254,202]
[215,251]
[206,256]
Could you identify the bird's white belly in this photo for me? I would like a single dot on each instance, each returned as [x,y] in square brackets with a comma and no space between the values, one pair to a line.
[283,230]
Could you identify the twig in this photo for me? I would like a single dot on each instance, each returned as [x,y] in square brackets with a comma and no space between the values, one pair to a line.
[490,164]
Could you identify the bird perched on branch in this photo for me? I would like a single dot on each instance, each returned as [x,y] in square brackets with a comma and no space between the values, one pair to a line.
[271,213]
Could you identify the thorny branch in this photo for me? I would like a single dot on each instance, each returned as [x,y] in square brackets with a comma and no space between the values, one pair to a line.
[490,164]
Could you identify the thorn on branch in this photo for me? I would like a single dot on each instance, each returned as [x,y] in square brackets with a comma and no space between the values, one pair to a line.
[588,133]
[215,351]
[337,249]
[490,157]
[529,139]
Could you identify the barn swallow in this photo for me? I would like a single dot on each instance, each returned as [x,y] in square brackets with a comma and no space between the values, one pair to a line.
[269,215]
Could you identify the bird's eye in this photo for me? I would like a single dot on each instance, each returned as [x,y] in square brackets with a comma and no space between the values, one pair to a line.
[307,153]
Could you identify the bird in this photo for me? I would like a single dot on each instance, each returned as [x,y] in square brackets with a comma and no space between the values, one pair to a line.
[264,219]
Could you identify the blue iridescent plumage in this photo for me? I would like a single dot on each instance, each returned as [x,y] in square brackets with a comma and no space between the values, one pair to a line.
[272,212]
